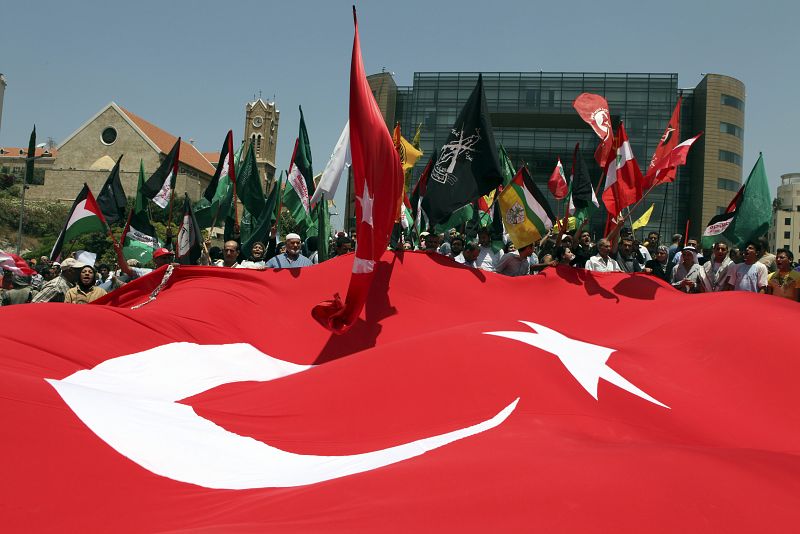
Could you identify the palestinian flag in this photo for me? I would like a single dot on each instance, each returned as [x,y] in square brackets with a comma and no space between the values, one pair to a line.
[160,185]
[300,182]
[189,244]
[525,212]
[216,204]
[139,238]
[85,217]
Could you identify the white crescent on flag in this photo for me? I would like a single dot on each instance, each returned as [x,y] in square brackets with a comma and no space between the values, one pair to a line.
[130,402]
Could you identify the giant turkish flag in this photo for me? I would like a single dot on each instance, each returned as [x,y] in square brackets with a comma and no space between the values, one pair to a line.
[459,401]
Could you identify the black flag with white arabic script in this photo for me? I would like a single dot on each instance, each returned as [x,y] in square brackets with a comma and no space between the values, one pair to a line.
[467,166]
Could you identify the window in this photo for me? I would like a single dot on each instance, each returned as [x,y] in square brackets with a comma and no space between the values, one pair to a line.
[730,157]
[721,210]
[787,247]
[727,185]
[787,235]
[787,221]
[731,129]
[732,101]
[108,136]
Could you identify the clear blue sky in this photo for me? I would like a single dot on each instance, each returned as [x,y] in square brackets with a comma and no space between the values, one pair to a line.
[190,67]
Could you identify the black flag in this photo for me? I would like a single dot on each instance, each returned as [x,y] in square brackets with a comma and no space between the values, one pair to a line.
[583,196]
[467,166]
[112,200]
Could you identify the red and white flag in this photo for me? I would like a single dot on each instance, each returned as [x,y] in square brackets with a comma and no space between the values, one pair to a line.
[623,179]
[669,140]
[180,416]
[663,171]
[11,262]
[378,181]
[594,110]
[557,184]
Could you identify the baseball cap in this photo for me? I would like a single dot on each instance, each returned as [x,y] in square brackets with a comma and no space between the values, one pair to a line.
[72,263]
[161,252]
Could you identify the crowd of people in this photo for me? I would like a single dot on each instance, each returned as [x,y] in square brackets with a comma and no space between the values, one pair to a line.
[681,263]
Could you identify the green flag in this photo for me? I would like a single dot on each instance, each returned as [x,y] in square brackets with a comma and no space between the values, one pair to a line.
[506,166]
[139,238]
[323,230]
[300,182]
[748,215]
[248,184]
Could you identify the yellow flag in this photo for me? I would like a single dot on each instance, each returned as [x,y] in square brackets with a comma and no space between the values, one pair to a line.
[644,219]
[570,224]
[408,154]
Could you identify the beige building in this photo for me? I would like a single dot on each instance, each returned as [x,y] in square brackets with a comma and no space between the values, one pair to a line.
[90,152]
[785,230]
[13,160]
[261,126]
[716,160]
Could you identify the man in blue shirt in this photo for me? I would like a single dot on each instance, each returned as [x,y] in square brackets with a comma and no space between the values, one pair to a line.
[292,257]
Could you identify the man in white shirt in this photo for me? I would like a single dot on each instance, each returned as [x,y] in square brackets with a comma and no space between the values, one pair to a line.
[602,262]
[488,259]
[750,275]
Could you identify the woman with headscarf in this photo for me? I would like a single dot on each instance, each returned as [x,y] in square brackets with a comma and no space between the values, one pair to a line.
[660,266]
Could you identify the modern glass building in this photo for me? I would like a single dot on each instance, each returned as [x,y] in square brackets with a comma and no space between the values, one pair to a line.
[534,120]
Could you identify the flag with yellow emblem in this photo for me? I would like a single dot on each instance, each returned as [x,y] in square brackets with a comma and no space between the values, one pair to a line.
[526,214]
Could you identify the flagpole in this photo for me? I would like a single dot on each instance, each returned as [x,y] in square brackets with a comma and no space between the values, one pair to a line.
[663,206]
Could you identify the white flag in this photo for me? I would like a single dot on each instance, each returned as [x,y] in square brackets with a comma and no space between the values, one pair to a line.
[339,162]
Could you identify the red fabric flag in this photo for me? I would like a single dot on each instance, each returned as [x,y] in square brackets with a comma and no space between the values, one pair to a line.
[663,172]
[557,184]
[665,146]
[594,110]
[11,262]
[623,179]
[378,181]
[180,416]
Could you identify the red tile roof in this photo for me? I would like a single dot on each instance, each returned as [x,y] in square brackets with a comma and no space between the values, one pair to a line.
[16,152]
[189,155]
[212,157]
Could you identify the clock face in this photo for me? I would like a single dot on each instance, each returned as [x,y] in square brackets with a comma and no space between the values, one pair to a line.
[258,121]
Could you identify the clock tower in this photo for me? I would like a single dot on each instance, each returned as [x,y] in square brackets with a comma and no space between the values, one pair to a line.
[261,126]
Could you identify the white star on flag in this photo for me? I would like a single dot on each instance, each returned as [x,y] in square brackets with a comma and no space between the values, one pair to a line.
[585,361]
[366,205]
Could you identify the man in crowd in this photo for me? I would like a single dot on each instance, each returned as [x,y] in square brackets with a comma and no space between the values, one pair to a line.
[602,262]
[750,275]
[516,263]
[584,250]
[20,292]
[718,267]
[487,257]
[56,289]
[86,290]
[469,255]
[344,245]
[676,244]
[292,257]
[627,256]
[784,282]
[456,246]
[652,243]
[689,276]
[765,256]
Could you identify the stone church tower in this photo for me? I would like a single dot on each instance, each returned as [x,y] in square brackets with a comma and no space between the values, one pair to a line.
[261,126]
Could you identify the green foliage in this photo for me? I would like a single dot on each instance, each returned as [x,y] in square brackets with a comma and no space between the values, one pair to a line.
[287,223]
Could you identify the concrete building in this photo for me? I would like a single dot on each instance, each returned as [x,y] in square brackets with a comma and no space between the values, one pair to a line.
[534,120]
[785,230]
[89,153]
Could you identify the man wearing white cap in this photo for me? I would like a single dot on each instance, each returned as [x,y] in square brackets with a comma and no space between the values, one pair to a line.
[292,257]
[55,289]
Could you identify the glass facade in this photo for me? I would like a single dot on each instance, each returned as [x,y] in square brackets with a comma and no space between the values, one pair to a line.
[534,120]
